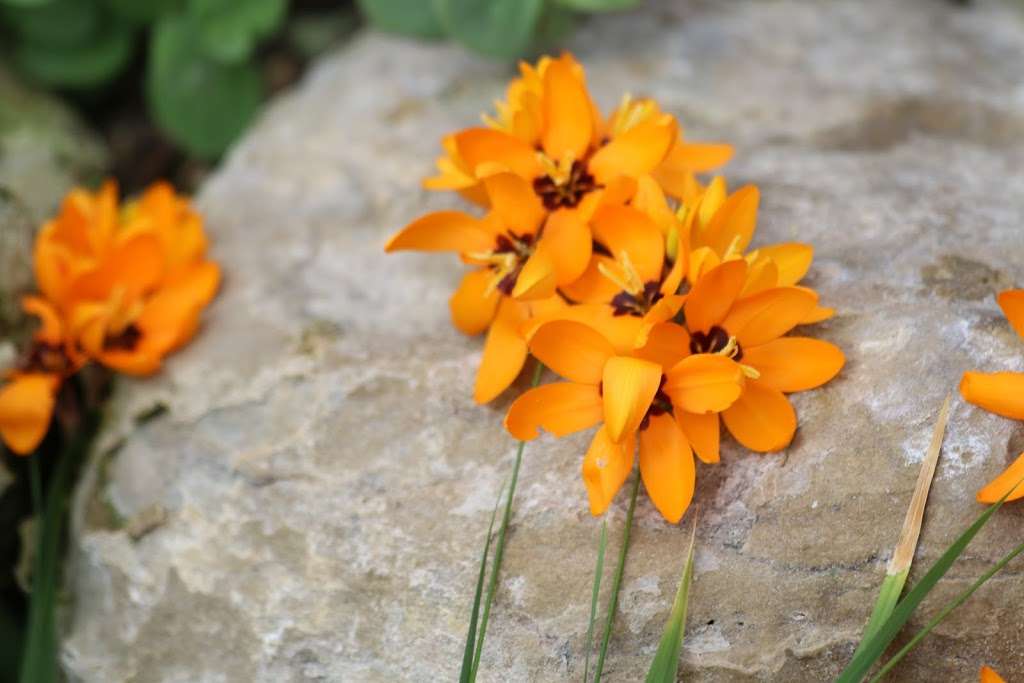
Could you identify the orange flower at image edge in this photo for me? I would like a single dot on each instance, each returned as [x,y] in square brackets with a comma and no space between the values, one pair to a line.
[988,675]
[1001,393]
[122,286]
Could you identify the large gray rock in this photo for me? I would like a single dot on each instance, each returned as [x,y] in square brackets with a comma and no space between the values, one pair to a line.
[311,502]
[44,151]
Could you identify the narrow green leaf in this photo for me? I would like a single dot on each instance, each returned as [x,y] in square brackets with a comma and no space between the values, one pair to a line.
[945,612]
[903,554]
[602,543]
[39,662]
[503,29]
[416,18]
[875,647]
[499,549]
[613,599]
[467,654]
[202,103]
[665,667]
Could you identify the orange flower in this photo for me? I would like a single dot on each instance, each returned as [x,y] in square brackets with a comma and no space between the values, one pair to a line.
[27,401]
[749,328]
[1001,393]
[988,675]
[635,397]
[550,133]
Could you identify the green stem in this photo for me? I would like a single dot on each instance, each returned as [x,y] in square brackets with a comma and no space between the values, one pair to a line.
[888,596]
[499,548]
[613,599]
[956,602]
[602,543]
[39,663]
[35,482]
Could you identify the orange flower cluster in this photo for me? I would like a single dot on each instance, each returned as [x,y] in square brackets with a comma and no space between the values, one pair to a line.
[119,285]
[1001,393]
[601,253]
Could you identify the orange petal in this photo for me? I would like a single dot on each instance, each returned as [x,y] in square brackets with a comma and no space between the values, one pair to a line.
[605,468]
[51,330]
[636,152]
[473,304]
[762,274]
[26,406]
[134,266]
[487,147]
[702,261]
[698,157]
[567,239]
[628,385]
[818,314]
[537,278]
[998,392]
[1006,482]
[504,352]
[765,316]
[560,408]
[762,419]
[989,676]
[733,224]
[199,282]
[795,363]
[443,231]
[667,468]
[567,113]
[620,330]
[514,200]
[1012,303]
[666,345]
[628,232]
[664,310]
[592,287]
[704,383]
[793,260]
[702,431]
[650,199]
[713,295]
[573,350]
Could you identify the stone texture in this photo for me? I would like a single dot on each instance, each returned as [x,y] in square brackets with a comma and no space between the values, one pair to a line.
[44,151]
[314,489]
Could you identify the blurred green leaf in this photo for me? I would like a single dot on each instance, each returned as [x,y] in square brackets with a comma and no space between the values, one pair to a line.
[23,3]
[311,34]
[497,28]
[60,23]
[143,11]
[86,66]
[410,17]
[230,29]
[201,103]
[598,5]
[554,25]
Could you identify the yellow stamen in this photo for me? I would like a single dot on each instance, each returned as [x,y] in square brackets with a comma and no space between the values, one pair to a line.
[629,281]
[730,348]
[733,250]
[750,372]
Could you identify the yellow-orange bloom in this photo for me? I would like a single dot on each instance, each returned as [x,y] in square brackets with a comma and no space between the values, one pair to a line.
[549,132]
[1001,393]
[988,675]
[633,397]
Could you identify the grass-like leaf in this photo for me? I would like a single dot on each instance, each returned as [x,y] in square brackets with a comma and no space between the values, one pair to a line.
[945,612]
[613,599]
[872,650]
[903,555]
[602,543]
[499,547]
[665,666]
[470,649]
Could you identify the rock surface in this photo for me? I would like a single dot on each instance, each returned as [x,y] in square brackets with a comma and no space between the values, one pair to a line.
[44,151]
[310,502]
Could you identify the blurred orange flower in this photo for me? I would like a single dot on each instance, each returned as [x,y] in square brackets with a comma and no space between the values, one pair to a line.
[988,675]
[1001,393]
[631,396]
[123,286]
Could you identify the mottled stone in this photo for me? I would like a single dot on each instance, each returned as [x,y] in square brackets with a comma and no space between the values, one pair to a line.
[324,478]
[44,151]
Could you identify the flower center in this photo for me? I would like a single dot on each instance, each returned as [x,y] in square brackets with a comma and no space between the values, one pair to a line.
[637,303]
[716,340]
[564,187]
[506,260]
[659,406]
[125,340]
[48,358]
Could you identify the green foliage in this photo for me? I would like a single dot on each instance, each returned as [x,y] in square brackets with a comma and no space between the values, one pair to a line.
[230,29]
[91,64]
[502,29]
[408,17]
[199,101]
[665,666]
[496,28]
